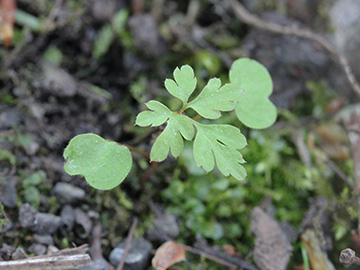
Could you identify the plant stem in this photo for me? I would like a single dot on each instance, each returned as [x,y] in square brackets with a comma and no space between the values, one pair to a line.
[149,172]
[136,150]
[143,137]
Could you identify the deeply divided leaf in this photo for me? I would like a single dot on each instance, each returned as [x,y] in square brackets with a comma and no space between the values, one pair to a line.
[157,116]
[220,144]
[184,84]
[213,99]
[171,139]
[254,108]
[104,164]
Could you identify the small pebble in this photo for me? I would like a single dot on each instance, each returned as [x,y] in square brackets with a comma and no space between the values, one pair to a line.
[45,239]
[97,264]
[164,227]
[68,217]
[83,222]
[41,223]
[137,257]
[68,194]
[19,254]
[8,195]
[37,249]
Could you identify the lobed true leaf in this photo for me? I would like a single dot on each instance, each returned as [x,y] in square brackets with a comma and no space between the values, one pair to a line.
[215,99]
[171,139]
[184,84]
[157,115]
[220,144]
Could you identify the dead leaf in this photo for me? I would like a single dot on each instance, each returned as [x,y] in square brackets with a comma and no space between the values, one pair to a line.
[317,257]
[167,255]
[272,248]
[333,140]
[7,18]
[230,250]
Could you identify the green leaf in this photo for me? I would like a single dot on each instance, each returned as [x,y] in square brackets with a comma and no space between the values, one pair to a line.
[157,116]
[35,179]
[254,109]
[119,21]
[103,41]
[171,139]
[214,98]
[184,84]
[104,164]
[220,143]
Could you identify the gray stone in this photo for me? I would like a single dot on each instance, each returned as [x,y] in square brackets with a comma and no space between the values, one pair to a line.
[19,254]
[97,264]
[68,217]
[8,195]
[37,249]
[27,215]
[67,194]
[146,35]
[137,257]
[45,239]
[56,81]
[84,223]
[345,18]
[9,117]
[40,223]
[164,227]
[46,223]
[102,10]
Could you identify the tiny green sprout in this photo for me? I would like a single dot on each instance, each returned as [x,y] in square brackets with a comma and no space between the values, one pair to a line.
[105,164]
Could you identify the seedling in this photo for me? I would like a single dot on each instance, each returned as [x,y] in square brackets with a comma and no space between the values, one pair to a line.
[105,164]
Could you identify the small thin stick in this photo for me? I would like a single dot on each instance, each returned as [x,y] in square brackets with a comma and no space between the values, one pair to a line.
[248,18]
[49,22]
[209,257]
[128,243]
[332,165]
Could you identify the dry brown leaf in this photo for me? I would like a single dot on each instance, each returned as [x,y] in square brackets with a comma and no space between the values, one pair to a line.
[229,249]
[272,248]
[7,18]
[167,255]
[333,140]
[318,258]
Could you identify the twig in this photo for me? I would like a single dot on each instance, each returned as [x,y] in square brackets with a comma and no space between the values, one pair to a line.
[49,22]
[71,258]
[209,257]
[354,137]
[49,263]
[248,18]
[332,165]
[128,244]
